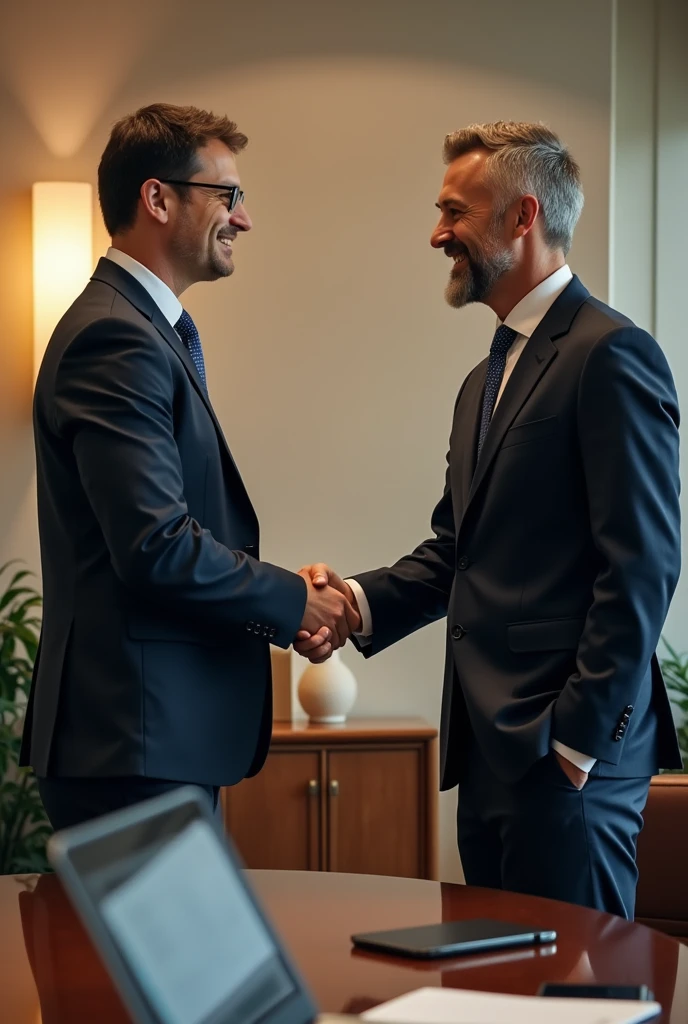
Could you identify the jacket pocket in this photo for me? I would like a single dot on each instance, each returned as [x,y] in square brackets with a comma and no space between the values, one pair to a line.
[531,431]
[140,628]
[545,635]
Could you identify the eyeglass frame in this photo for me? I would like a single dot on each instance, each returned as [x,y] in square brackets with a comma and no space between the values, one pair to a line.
[236,195]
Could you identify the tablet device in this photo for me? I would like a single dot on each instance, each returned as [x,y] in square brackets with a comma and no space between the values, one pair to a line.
[452,938]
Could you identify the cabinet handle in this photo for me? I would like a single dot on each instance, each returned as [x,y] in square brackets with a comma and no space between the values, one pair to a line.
[333,816]
[313,825]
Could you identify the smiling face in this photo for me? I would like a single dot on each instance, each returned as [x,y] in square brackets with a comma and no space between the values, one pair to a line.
[472,231]
[203,229]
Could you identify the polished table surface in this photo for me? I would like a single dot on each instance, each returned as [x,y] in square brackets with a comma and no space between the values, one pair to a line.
[50,974]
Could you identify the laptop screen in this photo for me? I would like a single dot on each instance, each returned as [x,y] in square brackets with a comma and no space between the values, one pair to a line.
[190,933]
[175,920]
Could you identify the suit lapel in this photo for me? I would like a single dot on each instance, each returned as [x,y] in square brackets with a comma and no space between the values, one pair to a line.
[536,358]
[466,426]
[112,274]
[532,364]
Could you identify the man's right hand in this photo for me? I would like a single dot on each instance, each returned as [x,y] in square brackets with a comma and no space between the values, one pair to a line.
[322,576]
[328,608]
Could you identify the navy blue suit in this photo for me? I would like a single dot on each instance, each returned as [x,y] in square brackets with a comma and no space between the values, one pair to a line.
[154,657]
[554,559]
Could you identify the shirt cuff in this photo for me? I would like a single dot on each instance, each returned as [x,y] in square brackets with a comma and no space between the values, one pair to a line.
[366,629]
[581,761]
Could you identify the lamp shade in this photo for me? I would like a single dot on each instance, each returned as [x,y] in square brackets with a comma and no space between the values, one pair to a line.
[62,254]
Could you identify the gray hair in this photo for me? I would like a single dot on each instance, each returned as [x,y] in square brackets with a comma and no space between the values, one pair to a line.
[527,159]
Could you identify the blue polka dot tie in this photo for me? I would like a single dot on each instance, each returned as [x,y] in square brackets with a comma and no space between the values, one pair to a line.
[501,343]
[186,329]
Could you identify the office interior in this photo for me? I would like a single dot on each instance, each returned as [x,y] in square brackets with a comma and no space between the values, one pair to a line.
[333,359]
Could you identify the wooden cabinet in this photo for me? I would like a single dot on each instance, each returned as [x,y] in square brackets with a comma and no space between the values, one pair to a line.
[358,797]
[277,813]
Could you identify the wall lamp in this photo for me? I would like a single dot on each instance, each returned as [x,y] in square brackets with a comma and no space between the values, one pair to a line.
[62,254]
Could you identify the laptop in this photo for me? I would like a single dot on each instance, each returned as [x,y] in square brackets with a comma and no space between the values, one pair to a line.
[161,893]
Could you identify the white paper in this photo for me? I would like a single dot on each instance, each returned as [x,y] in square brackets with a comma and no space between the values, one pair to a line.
[186,925]
[463,1006]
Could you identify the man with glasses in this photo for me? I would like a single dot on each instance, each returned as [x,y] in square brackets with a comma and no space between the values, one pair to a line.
[154,664]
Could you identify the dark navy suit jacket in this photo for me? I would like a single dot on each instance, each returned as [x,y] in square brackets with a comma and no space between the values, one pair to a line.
[556,557]
[154,655]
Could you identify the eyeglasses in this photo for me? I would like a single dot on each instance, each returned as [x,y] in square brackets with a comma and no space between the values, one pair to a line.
[233,192]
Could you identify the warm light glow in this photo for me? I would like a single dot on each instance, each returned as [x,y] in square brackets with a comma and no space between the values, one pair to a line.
[62,254]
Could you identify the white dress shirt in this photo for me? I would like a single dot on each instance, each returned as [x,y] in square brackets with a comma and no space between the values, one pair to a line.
[523,318]
[163,296]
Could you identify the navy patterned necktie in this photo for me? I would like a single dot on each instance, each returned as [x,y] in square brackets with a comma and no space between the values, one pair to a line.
[501,343]
[186,329]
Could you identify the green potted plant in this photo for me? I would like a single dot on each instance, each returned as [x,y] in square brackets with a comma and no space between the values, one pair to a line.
[675,672]
[24,828]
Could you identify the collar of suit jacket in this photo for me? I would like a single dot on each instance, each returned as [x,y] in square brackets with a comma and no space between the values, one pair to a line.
[126,284]
[162,294]
[133,291]
[527,314]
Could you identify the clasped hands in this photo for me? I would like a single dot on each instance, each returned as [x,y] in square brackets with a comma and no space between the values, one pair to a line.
[331,614]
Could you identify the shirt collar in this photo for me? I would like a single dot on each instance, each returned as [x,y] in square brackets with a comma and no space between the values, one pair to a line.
[527,314]
[163,296]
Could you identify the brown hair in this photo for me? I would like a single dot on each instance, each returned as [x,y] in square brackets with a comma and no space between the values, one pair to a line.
[158,141]
[527,158]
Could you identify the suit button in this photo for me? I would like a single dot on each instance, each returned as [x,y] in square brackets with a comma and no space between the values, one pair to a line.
[273,632]
[458,632]
[462,562]
[257,629]
[249,627]
[628,710]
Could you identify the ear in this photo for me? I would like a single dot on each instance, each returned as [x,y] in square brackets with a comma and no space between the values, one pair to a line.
[527,209]
[156,200]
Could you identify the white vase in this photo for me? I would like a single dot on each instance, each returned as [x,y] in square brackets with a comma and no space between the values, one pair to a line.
[327,692]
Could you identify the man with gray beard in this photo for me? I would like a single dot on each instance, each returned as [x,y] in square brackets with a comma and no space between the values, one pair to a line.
[555,547]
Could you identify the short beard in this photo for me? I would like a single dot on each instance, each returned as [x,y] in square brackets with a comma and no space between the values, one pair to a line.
[198,266]
[219,268]
[480,275]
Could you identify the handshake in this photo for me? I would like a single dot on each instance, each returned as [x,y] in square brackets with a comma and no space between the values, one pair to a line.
[331,614]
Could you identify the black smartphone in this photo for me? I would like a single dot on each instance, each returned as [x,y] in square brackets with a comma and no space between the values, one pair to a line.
[451,938]
[641,992]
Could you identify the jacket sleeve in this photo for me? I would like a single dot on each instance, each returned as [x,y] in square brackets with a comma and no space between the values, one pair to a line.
[114,402]
[628,436]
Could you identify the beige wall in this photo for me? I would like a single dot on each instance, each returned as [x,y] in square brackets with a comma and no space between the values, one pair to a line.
[649,215]
[333,361]
[671,235]
[633,161]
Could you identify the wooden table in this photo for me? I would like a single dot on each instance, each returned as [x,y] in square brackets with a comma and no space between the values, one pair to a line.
[44,955]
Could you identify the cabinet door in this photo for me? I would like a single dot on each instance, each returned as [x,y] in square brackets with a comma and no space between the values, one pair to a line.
[274,818]
[376,817]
